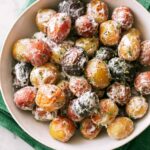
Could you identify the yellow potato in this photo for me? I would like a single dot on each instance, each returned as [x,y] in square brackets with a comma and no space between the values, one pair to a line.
[110,33]
[97,73]
[62,129]
[129,46]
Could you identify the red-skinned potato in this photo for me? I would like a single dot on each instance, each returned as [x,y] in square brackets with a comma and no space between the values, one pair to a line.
[145,53]
[124,16]
[59,27]
[142,83]
[25,98]
[86,26]
[129,46]
[39,52]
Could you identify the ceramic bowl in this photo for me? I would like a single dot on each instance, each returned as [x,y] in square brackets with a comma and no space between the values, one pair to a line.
[25,27]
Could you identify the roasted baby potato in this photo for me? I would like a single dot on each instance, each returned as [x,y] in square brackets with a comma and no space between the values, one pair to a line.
[142,83]
[120,128]
[108,111]
[21,75]
[59,27]
[41,115]
[45,74]
[90,45]
[122,70]
[86,26]
[110,33]
[145,53]
[20,50]
[129,46]
[64,85]
[124,16]
[74,8]
[39,52]
[88,129]
[50,97]
[119,93]
[72,113]
[59,50]
[24,98]
[62,129]
[98,10]
[79,85]
[97,73]
[137,107]
[74,61]
[85,105]
[42,18]
[105,53]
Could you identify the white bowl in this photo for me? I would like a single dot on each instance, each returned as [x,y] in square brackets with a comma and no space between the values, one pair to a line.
[25,27]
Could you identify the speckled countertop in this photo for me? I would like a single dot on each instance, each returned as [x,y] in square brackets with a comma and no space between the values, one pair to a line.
[9,141]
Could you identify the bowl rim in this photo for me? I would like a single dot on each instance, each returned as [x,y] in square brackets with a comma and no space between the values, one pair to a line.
[6,38]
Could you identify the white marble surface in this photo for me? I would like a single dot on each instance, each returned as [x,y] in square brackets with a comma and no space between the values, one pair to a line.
[8,12]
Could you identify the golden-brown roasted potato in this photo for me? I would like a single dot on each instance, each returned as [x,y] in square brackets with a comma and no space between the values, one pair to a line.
[137,107]
[110,33]
[98,10]
[42,18]
[97,73]
[108,111]
[88,129]
[20,50]
[90,45]
[120,128]
[62,129]
[50,97]
[46,74]
[129,46]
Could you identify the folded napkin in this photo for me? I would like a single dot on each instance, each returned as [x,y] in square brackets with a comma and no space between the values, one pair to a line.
[142,142]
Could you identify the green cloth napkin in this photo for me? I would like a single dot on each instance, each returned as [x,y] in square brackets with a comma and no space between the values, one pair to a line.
[142,142]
